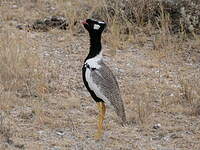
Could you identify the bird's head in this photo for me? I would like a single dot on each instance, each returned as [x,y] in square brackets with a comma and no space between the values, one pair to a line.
[94,26]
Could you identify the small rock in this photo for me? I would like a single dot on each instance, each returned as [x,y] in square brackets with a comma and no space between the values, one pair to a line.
[175,136]
[60,133]
[40,132]
[20,27]
[61,39]
[20,146]
[14,6]
[157,126]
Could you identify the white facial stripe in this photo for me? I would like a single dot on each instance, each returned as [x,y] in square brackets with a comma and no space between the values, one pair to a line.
[101,22]
[96,27]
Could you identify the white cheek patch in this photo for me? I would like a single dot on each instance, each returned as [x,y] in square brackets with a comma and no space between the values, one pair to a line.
[96,27]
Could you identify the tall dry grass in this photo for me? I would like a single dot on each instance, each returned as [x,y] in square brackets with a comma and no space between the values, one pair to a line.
[21,69]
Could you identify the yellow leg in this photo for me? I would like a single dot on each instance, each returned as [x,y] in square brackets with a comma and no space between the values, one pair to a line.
[102,111]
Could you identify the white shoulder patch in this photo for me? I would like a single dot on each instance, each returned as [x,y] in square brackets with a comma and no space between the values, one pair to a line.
[96,27]
[93,62]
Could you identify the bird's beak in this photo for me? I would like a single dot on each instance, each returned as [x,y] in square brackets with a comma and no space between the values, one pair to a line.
[84,22]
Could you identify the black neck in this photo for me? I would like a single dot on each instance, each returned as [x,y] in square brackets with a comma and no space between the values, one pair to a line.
[95,45]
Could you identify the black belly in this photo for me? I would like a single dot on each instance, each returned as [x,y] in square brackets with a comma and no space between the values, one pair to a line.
[97,99]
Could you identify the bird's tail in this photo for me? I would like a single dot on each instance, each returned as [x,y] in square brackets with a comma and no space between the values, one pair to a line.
[123,118]
[121,113]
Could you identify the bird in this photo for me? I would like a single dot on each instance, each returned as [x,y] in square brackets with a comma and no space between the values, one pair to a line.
[98,78]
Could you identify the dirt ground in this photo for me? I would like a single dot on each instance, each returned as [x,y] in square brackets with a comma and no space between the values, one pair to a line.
[44,104]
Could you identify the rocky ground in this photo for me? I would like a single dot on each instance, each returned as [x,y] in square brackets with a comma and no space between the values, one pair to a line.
[44,104]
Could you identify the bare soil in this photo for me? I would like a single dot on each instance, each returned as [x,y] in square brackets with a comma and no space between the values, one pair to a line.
[160,89]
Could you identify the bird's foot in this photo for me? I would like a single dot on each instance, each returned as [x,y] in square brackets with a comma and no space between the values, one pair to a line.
[98,134]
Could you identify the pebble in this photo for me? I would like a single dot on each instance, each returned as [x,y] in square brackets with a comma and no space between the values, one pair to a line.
[20,27]
[157,126]
[14,6]
[61,133]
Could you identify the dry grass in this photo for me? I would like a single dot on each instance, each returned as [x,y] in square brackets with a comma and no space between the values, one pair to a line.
[44,105]
[21,70]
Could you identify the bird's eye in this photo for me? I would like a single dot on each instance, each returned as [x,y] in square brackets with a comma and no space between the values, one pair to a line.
[96,27]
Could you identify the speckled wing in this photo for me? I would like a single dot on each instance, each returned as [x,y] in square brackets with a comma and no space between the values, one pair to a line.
[107,83]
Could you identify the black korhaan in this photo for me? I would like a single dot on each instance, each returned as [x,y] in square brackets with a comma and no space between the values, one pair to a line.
[98,78]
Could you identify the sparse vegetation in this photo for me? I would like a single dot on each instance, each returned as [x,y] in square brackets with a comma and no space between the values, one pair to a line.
[153,49]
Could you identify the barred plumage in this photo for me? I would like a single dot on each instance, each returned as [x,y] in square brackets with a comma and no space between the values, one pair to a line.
[107,83]
[98,78]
